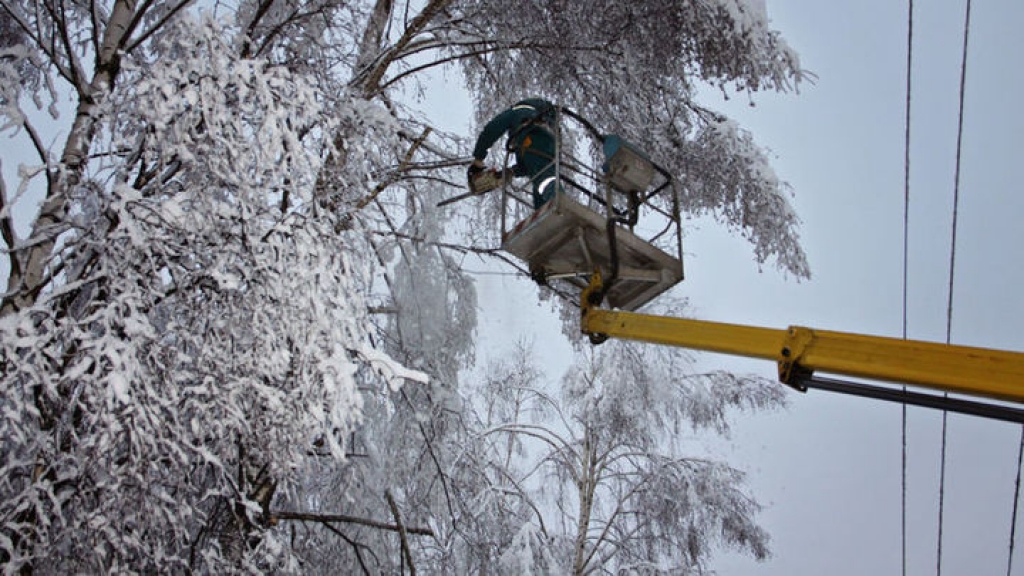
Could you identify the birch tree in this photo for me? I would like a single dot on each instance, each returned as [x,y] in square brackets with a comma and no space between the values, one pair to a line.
[615,487]
[202,323]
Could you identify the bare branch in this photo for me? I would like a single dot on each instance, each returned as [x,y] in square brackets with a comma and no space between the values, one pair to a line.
[610,521]
[370,81]
[345,519]
[74,65]
[545,435]
[493,47]
[94,19]
[158,25]
[38,39]
[372,196]
[374,32]
[37,143]
[134,22]
[492,252]
[401,531]
[355,546]
[434,459]
[261,11]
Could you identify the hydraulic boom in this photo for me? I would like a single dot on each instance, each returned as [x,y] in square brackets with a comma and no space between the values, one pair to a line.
[800,351]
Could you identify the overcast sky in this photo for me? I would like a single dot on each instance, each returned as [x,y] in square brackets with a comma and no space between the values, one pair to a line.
[828,469]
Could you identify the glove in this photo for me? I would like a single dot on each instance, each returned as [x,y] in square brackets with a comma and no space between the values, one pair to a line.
[475,168]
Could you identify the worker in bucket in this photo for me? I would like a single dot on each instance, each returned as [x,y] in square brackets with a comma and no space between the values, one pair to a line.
[530,125]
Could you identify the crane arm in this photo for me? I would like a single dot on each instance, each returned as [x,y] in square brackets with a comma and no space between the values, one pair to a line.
[801,351]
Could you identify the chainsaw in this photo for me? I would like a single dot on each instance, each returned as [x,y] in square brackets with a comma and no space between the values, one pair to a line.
[483,182]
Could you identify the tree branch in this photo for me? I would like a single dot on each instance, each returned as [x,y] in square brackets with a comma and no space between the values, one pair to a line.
[355,546]
[371,84]
[601,538]
[521,492]
[494,47]
[37,39]
[37,143]
[492,252]
[160,24]
[372,196]
[295,16]
[373,34]
[433,457]
[261,10]
[48,223]
[545,435]
[401,532]
[94,19]
[74,66]
[345,519]
[134,23]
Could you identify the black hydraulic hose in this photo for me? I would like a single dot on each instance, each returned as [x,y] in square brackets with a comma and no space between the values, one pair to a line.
[613,254]
[585,123]
[632,217]
[960,405]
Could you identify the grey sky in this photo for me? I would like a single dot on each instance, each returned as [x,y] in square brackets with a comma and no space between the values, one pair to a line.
[829,468]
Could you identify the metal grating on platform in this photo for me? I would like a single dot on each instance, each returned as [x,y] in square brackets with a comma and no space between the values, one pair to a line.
[567,240]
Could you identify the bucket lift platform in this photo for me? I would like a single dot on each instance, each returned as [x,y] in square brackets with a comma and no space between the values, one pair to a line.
[565,240]
[620,219]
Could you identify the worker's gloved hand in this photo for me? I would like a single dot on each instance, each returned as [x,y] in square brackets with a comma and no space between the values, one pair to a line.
[475,168]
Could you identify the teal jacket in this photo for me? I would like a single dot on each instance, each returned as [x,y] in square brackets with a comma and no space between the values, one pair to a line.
[517,122]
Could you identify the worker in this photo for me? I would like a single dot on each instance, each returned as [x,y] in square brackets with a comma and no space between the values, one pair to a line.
[530,125]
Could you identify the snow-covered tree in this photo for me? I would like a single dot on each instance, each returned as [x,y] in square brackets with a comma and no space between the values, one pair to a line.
[605,463]
[236,287]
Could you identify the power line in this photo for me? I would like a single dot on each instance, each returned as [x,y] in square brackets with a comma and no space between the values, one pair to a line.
[906,239]
[1016,499]
[942,493]
[906,168]
[952,264]
[956,180]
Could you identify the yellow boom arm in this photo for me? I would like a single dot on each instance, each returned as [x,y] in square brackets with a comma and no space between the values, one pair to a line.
[801,351]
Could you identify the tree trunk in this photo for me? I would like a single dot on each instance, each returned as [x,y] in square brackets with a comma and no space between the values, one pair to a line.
[587,484]
[23,289]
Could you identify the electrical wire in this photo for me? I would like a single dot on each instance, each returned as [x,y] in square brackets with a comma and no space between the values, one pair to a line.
[906,241]
[1016,500]
[942,494]
[906,166]
[956,181]
[952,267]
